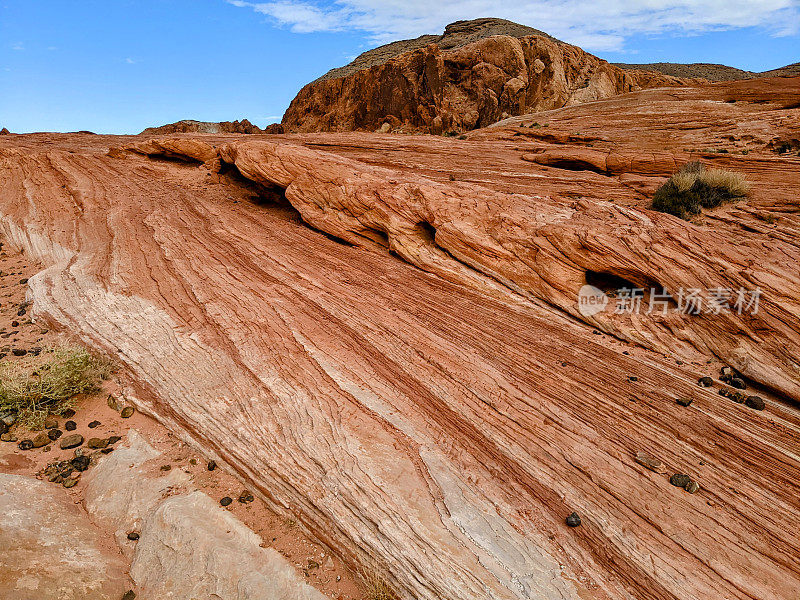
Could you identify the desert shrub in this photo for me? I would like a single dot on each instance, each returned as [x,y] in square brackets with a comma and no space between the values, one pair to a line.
[47,384]
[695,187]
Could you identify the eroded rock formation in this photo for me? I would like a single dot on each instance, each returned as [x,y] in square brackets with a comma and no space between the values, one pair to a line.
[189,126]
[435,419]
[461,81]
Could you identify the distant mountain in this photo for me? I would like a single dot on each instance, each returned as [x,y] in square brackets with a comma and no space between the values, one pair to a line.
[189,126]
[709,71]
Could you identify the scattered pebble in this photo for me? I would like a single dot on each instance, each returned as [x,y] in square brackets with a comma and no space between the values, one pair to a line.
[97,443]
[70,425]
[25,445]
[133,536]
[71,441]
[129,595]
[212,464]
[692,486]
[226,501]
[684,401]
[166,467]
[705,381]
[68,483]
[94,424]
[114,439]
[80,463]
[41,439]
[680,480]
[649,462]
[755,402]
[573,520]
[54,434]
[19,352]
[246,497]
[68,414]
[50,423]
[737,383]
[8,437]
[127,412]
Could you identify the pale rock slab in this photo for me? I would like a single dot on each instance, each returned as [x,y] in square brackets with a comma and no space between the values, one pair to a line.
[50,550]
[189,547]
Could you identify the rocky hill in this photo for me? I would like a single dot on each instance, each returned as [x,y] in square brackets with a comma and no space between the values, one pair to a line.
[712,72]
[189,126]
[475,74]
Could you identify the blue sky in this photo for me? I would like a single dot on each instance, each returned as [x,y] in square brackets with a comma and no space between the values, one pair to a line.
[118,66]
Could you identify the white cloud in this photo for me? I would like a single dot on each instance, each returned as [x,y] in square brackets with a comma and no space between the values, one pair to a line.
[593,24]
[130,61]
[18,46]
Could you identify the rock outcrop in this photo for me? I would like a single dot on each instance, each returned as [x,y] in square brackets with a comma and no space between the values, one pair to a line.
[189,126]
[49,549]
[188,546]
[437,419]
[468,78]
[4,131]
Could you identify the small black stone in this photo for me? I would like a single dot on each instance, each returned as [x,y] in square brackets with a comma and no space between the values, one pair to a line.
[226,501]
[94,424]
[68,414]
[573,520]
[166,467]
[107,450]
[212,465]
[246,497]
[19,352]
[127,412]
[626,353]
[70,425]
[25,445]
[633,378]
[680,480]
[737,383]
[114,439]
[80,463]
[684,401]
[129,595]
[705,381]
[755,402]
[54,434]
[133,536]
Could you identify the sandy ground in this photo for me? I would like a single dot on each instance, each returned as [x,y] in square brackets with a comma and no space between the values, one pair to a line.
[313,561]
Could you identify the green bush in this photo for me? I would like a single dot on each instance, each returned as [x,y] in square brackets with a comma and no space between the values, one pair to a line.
[47,384]
[695,187]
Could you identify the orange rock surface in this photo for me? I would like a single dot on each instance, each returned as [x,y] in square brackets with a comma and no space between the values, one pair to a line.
[381,335]
[464,88]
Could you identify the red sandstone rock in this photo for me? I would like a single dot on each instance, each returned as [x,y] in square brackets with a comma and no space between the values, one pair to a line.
[470,86]
[439,427]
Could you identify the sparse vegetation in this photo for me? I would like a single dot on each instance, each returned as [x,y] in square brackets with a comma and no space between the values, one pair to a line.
[377,588]
[695,187]
[48,383]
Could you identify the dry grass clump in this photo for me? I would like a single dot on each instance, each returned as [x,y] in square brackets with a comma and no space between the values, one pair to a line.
[376,588]
[695,187]
[47,384]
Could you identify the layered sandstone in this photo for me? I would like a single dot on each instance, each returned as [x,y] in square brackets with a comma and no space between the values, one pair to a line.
[380,334]
[466,79]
